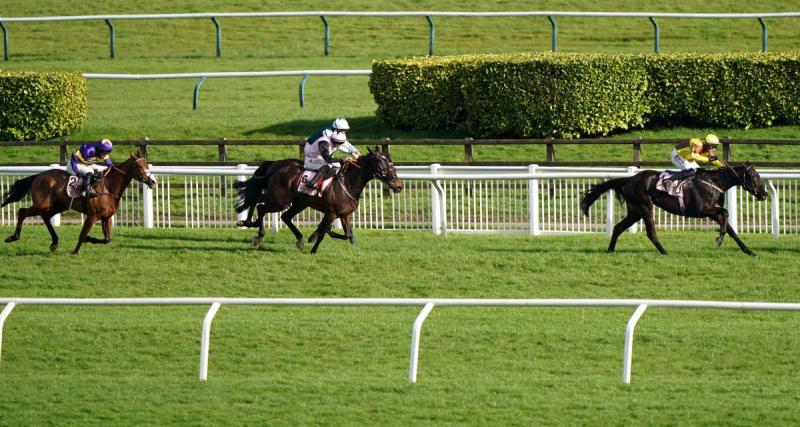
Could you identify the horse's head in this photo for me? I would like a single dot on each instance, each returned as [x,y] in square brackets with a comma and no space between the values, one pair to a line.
[750,180]
[380,166]
[141,170]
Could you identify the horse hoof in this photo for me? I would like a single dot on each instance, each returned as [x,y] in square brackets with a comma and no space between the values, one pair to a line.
[300,246]
[256,241]
[53,247]
[312,238]
[75,252]
[751,253]
[241,224]
[11,238]
[719,241]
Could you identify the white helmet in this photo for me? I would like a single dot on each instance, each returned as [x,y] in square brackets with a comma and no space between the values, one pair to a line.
[340,124]
[338,137]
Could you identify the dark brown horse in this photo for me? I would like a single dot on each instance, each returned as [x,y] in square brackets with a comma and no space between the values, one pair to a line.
[49,196]
[704,197]
[273,188]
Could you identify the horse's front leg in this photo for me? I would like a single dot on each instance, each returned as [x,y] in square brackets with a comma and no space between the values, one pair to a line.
[722,219]
[87,225]
[106,233]
[739,241]
[287,216]
[322,228]
[347,225]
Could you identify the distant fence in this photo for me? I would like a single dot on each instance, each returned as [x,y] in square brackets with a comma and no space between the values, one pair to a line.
[529,199]
[549,159]
[427,303]
[203,76]
[323,15]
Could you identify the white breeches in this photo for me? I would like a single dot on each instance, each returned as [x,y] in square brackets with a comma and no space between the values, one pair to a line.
[315,163]
[84,169]
[682,163]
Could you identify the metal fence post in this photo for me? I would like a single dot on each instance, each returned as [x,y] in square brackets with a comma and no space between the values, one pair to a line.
[112,35]
[763,34]
[533,202]
[56,219]
[415,331]
[3,316]
[219,35]
[197,92]
[205,340]
[775,214]
[147,206]
[303,90]
[627,357]
[431,34]
[733,208]
[327,35]
[553,33]
[241,216]
[5,41]
[436,219]
[655,34]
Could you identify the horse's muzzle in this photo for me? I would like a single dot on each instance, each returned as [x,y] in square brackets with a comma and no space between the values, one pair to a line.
[395,185]
[150,182]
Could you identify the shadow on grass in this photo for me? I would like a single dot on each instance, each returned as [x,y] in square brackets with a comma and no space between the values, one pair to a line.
[245,248]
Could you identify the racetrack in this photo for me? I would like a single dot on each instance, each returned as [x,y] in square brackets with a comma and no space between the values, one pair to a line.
[338,365]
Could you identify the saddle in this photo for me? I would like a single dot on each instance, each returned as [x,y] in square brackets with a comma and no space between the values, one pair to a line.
[673,184]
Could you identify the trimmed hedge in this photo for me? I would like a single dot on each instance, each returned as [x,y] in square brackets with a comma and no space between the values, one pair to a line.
[576,95]
[41,106]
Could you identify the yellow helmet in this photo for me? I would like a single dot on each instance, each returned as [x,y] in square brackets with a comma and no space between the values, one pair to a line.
[712,139]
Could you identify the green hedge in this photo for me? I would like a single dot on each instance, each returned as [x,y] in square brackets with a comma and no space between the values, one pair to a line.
[40,106]
[576,95]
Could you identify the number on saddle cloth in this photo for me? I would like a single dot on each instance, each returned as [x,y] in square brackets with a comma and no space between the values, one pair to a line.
[74,186]
[316,190]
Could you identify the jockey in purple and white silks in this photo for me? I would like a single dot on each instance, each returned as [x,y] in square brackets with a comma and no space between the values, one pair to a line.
[82,163]
[320,146]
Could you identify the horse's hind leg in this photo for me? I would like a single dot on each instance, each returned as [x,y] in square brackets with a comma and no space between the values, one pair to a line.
[621,226]
[22,213]
[262,210]
[650,226]
[53,236]
[287,219]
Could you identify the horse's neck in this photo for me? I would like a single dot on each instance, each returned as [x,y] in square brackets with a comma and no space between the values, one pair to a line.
[117,182]
[355,180]
[725,178]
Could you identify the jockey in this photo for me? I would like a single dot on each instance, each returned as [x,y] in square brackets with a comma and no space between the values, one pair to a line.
[320,147]
[688,154]
[82,163]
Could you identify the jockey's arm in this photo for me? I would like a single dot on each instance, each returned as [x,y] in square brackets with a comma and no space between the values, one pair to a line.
[325,152]
[74,162]
[349,149]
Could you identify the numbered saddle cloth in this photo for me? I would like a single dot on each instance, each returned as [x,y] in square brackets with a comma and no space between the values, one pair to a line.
[673,187]
[75,186]
[306,177]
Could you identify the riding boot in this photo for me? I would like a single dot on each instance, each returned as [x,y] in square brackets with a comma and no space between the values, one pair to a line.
[88,184]
[312,183]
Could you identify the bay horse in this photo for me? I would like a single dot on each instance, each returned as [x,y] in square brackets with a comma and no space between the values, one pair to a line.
[704,197]
[49,196]
[273,188]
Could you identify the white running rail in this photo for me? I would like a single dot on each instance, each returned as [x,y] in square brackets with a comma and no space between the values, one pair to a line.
[530,199]
[427,304]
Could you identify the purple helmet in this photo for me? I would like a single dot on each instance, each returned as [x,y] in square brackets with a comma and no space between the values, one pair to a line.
[105,145]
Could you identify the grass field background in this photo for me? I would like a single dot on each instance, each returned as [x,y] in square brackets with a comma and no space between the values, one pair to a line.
[348,366]
[338,365]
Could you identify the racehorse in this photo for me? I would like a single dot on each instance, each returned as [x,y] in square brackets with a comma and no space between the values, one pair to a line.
[49,195]
[704,197]
[273,188]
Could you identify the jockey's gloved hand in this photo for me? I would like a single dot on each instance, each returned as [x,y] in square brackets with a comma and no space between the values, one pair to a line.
[712,158]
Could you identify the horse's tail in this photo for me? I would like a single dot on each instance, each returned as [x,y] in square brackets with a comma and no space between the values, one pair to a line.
[597,190]
[18,190]
[248,191]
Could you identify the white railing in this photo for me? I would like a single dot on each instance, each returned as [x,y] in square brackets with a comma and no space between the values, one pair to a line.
[428,305]
[527,199]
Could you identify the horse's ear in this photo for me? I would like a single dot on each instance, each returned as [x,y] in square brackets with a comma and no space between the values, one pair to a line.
[376,148]
[369,150]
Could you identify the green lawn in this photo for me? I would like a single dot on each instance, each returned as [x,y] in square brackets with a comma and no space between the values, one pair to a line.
[338,365]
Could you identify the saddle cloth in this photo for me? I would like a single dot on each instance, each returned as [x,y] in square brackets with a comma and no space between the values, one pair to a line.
[672,187]
[74,186]
[307,176]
